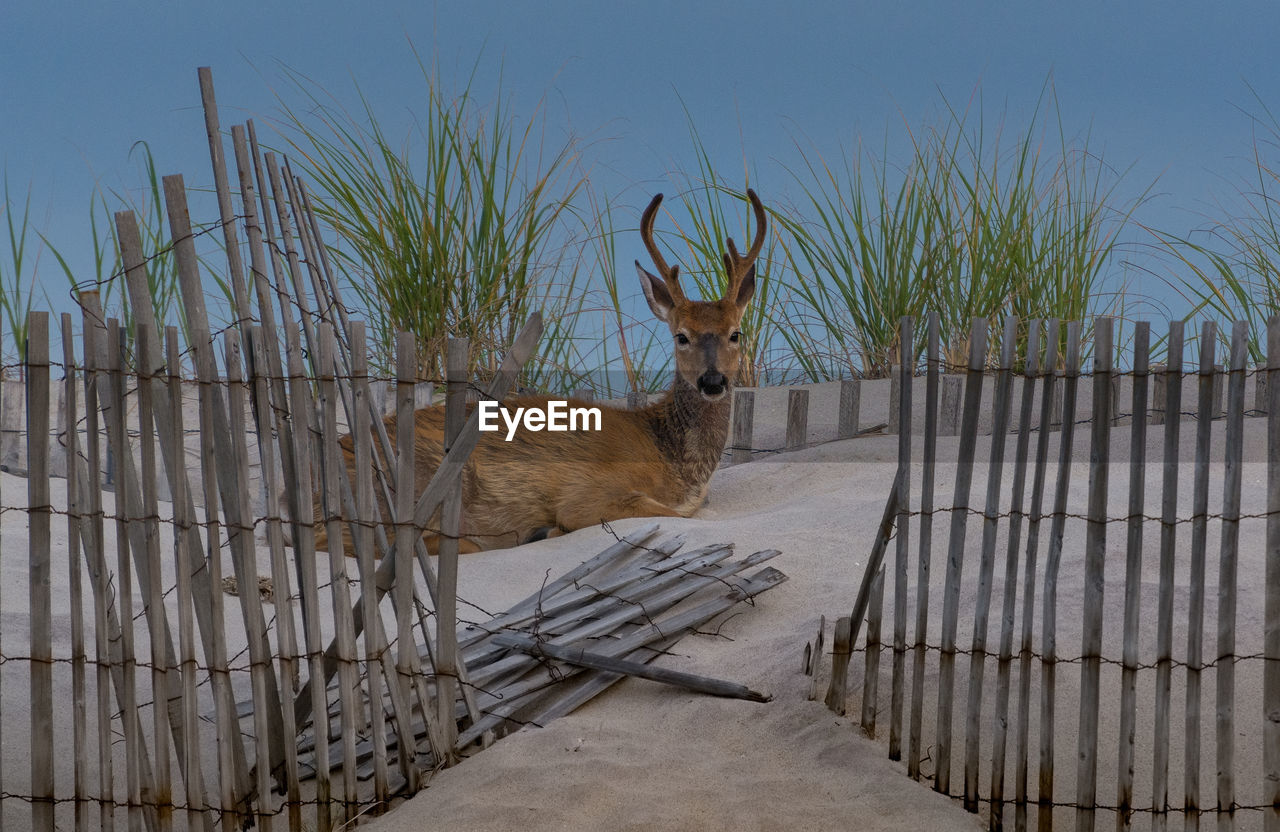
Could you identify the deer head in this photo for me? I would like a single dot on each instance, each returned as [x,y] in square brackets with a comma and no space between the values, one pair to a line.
[706,333]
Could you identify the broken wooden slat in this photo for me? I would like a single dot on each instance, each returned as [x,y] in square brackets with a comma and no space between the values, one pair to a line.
[841,649]
[596,661]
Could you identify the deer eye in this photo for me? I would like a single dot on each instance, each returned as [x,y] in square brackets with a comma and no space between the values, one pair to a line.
[682,339]
[734,336]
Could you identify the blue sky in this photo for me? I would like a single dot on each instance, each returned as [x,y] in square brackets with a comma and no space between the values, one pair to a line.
[1162,89]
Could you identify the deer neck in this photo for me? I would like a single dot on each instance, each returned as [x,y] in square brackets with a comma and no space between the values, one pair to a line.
[691,431]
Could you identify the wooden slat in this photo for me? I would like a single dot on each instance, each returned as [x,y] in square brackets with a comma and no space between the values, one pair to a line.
[955,550]
[1133,575]
[230,237]
[408,663]
[1001,405]
[366,518]
[1048,371]
[457,358]
[1271,638]
[841,649]
[1227,577]
[39,520]
[871,676]
[151,586]
[183,517]
[1053,560]
[115,351]
[286,651]
[91,531]
[915,731]
[1094,575]
[1160,379]
[895,385]
[906,346]
[1000,717]
[298,297]
[75,585]
[339,591]
[302,512]
[1170,471]
[579,656]
[949,409]
[744,407]
[3,401]
[1206,409]
[233,771]
[266,709]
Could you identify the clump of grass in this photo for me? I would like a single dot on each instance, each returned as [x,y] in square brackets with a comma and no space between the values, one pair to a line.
[459,229]
[701,197]
[1235,274]
[970,227]
[861,260]
[157,250]
[17,271]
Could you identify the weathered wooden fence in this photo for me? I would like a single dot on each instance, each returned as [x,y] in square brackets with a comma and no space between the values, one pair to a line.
[1171,705]
[340,681]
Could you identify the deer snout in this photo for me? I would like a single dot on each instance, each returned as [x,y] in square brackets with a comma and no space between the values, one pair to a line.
[712,384]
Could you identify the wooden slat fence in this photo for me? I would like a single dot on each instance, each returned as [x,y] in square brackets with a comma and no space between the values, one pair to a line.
[202,464]
[1088,736]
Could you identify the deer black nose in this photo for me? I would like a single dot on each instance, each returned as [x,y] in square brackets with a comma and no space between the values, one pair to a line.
[712,383]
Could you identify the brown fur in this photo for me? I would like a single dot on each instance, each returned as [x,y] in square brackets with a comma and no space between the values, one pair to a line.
[653,462]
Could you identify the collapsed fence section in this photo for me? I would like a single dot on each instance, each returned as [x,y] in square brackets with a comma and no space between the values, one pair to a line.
[1167,707]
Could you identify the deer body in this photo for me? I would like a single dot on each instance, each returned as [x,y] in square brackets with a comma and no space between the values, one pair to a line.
[655,461]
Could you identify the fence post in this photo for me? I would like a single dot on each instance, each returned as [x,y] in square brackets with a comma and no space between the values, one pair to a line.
[797,419]
[850,401]
[1161,381]
[949,411]
[744,406]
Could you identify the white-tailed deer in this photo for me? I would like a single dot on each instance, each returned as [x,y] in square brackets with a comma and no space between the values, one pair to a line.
[655,461]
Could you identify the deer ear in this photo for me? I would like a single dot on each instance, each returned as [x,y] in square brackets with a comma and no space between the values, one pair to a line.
[656,293]
[746,289]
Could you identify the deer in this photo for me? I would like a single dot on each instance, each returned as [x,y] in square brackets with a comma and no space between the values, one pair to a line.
[653,461]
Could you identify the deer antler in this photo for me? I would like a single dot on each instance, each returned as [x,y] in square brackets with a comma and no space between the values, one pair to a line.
[737,265]
[669,274]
